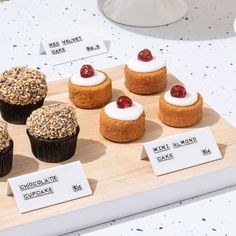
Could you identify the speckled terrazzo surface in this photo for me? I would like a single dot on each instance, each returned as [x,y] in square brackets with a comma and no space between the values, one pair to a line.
[200,51]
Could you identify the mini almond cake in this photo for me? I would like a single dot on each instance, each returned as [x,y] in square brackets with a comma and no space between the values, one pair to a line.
[6,150]
[180,107]
[53,132]
[145,74]
[22,90]
[122,120]
[90,89]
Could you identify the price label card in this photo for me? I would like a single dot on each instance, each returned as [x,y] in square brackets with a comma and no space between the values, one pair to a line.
[69,48]
[181,151]
[49,187]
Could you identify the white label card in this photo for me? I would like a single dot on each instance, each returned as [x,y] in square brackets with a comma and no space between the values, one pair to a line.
[181,151]
[69,48]
[48,187]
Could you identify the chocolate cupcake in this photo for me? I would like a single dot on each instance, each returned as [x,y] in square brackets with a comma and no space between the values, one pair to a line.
[22,90]
[53,132]
[6,150]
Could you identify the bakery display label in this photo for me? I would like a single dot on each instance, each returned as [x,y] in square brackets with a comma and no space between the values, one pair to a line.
[69,48]
[48,187]
[181,151]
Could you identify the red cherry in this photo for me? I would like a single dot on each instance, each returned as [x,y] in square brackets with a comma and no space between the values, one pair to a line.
[178,91]
[86,71]
[145,55]
[124,102]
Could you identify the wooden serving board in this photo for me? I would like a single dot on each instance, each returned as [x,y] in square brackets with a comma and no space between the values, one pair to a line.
[121,182]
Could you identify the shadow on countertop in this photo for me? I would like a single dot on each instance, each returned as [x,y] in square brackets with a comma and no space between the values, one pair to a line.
[21,165]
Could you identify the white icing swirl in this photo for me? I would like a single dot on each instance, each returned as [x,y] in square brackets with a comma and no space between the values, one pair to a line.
[126,114]
[140,66]
[97,79]
[190,99]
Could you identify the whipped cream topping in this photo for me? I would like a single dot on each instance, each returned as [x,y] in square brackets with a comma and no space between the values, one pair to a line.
[190,99]
[155,64]
[97,79]
[126,114]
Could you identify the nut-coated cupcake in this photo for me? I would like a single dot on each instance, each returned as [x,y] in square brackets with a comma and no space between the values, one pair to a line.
[53,132]
[6,150]
[22,90]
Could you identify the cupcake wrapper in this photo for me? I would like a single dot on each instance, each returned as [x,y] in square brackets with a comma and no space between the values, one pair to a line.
[55,150]
[18,114]
[6,159]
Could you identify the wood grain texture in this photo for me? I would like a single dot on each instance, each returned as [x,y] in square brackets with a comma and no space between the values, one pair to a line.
[114,170]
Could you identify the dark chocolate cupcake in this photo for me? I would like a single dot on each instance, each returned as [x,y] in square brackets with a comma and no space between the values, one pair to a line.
[53,132]
[6,150]
[22,90]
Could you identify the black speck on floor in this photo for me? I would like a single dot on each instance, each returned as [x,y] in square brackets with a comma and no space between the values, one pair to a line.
[139,230]
[38,68]
[14,46]
[203,219]
[94,14]
[213,229]
[180,38]
[160,228]
[186,18]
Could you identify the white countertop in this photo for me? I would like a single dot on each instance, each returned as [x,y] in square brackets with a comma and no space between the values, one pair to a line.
[200,51]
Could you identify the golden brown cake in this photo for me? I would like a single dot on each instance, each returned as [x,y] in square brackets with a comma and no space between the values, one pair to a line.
[145,74]
[180,107]
[122,120]
[90,89]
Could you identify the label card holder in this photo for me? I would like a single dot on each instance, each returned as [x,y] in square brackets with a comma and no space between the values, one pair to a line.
[72,47]
[49,187]
[181,151]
